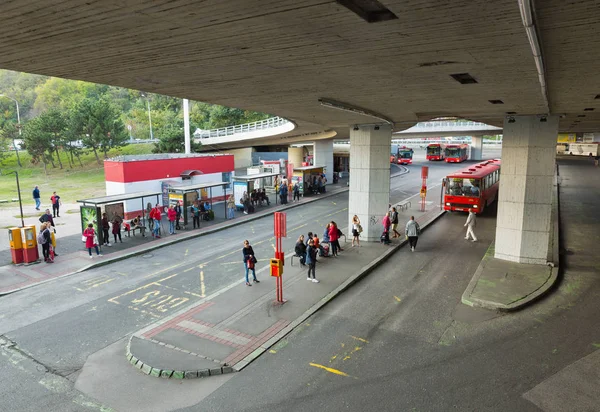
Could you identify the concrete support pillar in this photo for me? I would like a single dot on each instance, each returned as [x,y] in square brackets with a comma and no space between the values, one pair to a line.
[323,153]
[295,156]
[476,147]
[525,198]
[369,178]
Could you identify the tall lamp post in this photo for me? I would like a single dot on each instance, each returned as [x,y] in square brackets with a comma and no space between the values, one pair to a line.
[144,94]
[18,126]
[19,191]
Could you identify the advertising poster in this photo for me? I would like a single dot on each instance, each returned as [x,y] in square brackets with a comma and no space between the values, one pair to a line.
[91,214]
[238,192]
[116,209]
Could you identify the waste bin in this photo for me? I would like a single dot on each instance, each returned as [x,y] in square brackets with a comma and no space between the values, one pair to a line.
[30,247]
[16,244]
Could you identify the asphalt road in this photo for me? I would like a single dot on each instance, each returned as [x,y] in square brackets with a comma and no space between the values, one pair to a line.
[55,327]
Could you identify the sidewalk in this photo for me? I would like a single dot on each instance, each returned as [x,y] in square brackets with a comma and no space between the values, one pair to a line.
[73,257]
[229,329]
[503,285]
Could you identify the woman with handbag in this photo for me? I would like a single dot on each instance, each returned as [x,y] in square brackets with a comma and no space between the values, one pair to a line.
[91,241]
[356,229]
[249,262]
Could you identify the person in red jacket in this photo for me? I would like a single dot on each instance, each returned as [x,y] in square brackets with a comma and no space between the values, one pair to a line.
[90,239]
[172,216]
[156,215]
[333,238]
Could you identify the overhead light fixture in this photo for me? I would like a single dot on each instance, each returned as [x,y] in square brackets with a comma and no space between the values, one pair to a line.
[581,115]
[355,128]
[463,78]
[333,104]
[543,119]
[511,112]
[496,101]
[376,127]
[371,11]
[511,119]
[588,109]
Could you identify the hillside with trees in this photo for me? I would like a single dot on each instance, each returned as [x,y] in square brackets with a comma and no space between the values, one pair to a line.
[63,119]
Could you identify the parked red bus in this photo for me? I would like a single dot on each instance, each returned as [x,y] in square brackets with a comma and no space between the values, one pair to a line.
[456,153]
[436,151]
[474,187]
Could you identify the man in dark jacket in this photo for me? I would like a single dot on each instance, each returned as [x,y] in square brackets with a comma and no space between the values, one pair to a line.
[36,197]
[47,217]
[249,261]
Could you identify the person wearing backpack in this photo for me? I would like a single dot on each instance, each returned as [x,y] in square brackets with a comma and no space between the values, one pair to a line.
[311,261]
[45,240]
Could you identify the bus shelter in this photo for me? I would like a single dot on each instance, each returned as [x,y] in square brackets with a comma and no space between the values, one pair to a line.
[114,206]
[305,176]
[247,183]
[186,195]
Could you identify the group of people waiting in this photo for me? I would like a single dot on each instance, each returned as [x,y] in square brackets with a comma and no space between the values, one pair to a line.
[308,250]
[198,210]
[257,197]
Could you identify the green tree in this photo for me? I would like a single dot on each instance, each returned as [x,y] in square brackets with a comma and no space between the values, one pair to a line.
[38,143]
[173,141]
[54,124]
[9,133]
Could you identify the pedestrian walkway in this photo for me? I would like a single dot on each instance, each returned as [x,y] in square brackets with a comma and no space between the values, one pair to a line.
[226,331]
[73,257]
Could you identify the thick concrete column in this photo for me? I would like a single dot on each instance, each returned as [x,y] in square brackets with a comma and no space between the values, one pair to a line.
[295,156]
[323,153]
[369,178]
[525,198]
[476,147]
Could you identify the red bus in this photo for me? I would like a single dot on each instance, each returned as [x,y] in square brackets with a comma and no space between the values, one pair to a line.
[456,153]
[403,156]
[436,151]
[474,187]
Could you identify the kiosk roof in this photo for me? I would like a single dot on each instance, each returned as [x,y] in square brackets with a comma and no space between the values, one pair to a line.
[118,198]
[306,168]
[190,188]
[256,176]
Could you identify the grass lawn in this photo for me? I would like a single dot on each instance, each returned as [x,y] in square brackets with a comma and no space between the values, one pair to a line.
[70,184]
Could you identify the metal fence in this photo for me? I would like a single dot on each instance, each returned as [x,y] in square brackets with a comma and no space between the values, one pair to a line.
[242,128]
[452,125]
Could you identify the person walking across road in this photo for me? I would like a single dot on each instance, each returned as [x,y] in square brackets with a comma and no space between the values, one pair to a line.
[395,222]
[55,199]
[470,224]
[36,198]
[311,261]
[90,239]
[412,232]
[105,226]
[356,229]
[171,215]
[249,262]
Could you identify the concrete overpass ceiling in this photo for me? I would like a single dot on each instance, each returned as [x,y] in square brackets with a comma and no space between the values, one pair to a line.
[570,35]
[281,56]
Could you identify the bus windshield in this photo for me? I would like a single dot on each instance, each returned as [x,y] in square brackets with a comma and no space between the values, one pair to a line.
[456,186]
[433,150]
[405,154]
[453,152]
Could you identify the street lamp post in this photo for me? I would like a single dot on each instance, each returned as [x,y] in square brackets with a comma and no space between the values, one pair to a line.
[19,192]
[18,126]
[143,94]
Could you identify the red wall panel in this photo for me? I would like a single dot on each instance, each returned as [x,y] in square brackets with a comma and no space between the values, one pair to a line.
[140,170]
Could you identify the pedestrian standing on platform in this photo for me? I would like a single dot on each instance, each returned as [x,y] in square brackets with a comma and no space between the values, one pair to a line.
[90,239]
[105,226]
[55,199]
[325,238]
[249,262]
[309,236]
[156,216]
[177,215]
[596,159]
[296,191]
[47,217]
[116,228]
[412,232]
[311,261]
[171,215]
[230,207]
[356,229]
[333,238]
[195,212]
[395,222]
[37,200]
[44,239]
[470,224]
[300,250]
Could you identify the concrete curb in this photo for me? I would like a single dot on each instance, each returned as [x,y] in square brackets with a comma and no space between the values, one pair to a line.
[553,268]
[364,271]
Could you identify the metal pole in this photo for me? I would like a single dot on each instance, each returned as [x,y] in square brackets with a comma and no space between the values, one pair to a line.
[18,127]
[150,119]
[20,203]
[186,126]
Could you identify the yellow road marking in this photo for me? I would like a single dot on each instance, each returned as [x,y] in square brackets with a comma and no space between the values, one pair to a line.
[346,358]
[155,283]
[360,339]
[202,287]
[330,370]
[186,252]
[272,351]
[193,294]
[397,298]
